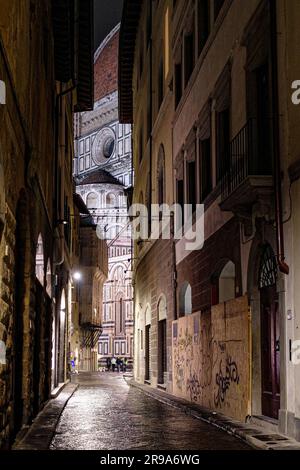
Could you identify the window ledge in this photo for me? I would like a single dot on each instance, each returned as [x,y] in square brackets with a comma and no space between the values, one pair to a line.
[162,386]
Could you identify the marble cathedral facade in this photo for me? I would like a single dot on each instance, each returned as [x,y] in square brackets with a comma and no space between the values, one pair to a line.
[103,172]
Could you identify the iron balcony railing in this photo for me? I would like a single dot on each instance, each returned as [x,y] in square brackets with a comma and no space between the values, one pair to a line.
[249,154]
[90,335]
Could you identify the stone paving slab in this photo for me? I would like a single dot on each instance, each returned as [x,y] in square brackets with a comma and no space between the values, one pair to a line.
[105,414]
[253,435]
[41,432]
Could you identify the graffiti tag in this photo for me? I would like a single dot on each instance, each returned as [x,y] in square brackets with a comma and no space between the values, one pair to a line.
[193,387]
[223,381]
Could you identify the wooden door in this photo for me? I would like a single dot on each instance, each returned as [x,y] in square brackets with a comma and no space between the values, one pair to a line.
[270,352]
[147,353]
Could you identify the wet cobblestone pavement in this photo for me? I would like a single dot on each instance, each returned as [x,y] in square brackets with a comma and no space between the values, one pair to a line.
[105,414]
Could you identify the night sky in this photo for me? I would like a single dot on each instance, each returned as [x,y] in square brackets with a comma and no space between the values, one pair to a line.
[107,15]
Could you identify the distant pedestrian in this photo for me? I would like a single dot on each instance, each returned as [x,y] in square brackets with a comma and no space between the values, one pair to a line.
[125,363]
[108,363]
[113,363]
[119,363]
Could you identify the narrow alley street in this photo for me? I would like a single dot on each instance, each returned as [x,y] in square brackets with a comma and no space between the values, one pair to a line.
[105,413]
[149,224]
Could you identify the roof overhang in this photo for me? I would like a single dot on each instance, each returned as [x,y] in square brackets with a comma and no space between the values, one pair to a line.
[85,71]
[63,24]
[129,26]
[74,47]
[81,206]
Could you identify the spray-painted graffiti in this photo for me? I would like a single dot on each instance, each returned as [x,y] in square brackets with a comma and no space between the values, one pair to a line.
[225,379]
[182,356]
[193,387]
[210,358]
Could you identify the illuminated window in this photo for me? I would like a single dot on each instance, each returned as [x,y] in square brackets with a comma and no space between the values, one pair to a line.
[92,201]
[185,300]
[39,260]
[48,279]
[110,200]
[227,283]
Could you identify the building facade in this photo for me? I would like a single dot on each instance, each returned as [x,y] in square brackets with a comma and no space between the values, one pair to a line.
[221,98]
[103,171]
[36,194]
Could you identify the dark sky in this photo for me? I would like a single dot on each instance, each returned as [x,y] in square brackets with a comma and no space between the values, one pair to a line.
[107,15]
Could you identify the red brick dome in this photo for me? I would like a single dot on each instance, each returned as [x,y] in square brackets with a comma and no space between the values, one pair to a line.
[106,65]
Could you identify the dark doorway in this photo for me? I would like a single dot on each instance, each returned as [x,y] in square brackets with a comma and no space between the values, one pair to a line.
[270,336]
[48,347]
[37,352]
[162,351]
[61,346]
[147,353]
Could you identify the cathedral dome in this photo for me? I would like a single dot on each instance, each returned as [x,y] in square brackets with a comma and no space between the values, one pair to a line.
[99,177]
[106,65]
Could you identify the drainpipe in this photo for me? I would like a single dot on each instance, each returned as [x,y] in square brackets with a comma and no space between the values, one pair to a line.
[284,268]
[57,102]
[151,103]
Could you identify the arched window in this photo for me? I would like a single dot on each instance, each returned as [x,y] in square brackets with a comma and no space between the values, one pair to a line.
[39,260]
[227,282]
[110,200]
[161,197]
[49,279]
[108,147]
[92,201]
[268,268]
[162,308]
[185,300]
[120,317]
[162,339]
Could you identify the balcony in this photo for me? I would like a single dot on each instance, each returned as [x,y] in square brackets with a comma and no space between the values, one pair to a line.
[246,176]
[90,335]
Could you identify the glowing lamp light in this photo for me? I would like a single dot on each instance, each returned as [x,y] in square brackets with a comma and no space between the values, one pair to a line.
[77,276]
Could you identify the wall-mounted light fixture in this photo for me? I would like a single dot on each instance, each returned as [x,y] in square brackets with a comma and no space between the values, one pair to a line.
[2,92]
[62,222]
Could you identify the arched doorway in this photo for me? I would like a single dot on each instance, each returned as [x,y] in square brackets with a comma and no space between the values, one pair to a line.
[39,359]
[61,338]
[148,344]
[270,333]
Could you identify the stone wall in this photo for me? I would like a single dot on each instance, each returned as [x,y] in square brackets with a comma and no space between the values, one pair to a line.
[27,145]
[211,365]
[6,322]
[199,267]
[154,278]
